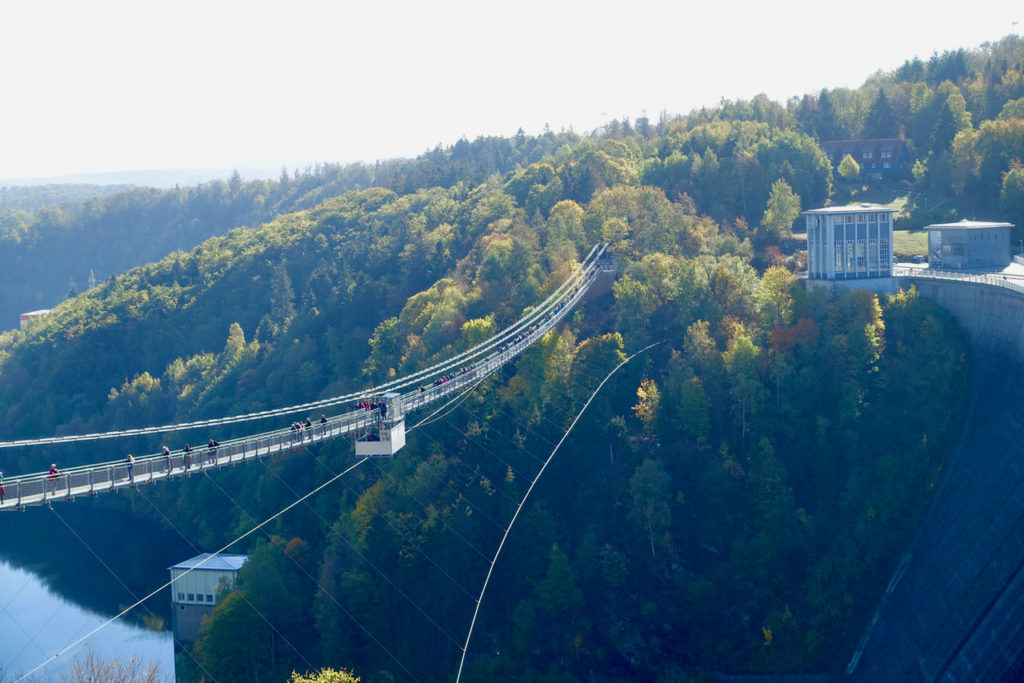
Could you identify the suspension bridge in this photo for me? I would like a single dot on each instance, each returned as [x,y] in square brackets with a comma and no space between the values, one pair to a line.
[376,423]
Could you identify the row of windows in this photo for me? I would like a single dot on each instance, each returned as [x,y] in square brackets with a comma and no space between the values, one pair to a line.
[837,158]
[195,597]
[880,218]
[860,256]
[868,217]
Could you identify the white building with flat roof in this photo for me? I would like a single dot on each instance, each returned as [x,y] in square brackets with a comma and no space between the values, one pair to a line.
[194,585]
[26,318]
[850,247]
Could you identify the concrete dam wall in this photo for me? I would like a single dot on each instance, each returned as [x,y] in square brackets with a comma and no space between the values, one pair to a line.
[993,316]
[955,608]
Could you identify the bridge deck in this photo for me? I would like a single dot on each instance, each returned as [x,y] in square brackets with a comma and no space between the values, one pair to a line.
[463,371]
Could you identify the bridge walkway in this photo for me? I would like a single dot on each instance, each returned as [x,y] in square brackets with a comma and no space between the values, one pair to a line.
[439,382]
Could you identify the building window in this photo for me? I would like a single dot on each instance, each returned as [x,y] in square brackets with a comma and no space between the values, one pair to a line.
[887,155]
[861,266]
[883,253]
[191,597]
[849,218]
[839,256]
[181,597]
[850,247]
[209,598]
[867,155]
[860,218]
[872,254]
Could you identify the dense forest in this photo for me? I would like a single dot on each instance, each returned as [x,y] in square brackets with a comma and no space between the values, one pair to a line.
[733,500]
[30,198]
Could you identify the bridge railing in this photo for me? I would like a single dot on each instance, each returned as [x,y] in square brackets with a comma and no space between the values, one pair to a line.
[91,479]
[977,278]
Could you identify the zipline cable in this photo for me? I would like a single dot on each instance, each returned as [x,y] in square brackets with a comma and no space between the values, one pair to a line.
[191,569]
[526,495]
[115,575]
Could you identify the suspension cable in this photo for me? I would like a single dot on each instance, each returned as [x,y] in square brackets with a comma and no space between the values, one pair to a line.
[526,495]
[191,569]
[556,304]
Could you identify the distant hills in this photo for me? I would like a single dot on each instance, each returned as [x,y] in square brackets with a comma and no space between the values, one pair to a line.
[159,178]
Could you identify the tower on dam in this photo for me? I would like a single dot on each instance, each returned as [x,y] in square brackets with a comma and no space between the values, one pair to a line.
[850,247]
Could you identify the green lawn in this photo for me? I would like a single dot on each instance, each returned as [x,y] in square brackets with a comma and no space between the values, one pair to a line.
[907,243]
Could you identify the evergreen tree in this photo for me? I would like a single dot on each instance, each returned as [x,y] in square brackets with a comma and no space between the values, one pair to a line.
[830,127]
[881,119]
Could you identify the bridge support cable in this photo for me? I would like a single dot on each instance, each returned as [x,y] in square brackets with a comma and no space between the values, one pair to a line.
[562,299]
[515,516]
[315,579]
[123,584]
[29,639]
[198,565]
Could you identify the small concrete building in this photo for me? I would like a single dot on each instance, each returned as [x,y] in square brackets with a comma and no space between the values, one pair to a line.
[850,247]
[194,585]
[969,245]
[26,318]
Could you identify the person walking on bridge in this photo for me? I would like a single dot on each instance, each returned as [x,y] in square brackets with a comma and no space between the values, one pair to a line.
[166,452]
[188,456]
[53,474]
[130,462]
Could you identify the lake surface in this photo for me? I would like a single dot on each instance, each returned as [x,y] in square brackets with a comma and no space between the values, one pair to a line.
[66,571]
[37,623]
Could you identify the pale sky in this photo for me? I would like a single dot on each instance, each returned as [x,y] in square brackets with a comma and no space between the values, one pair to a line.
[115,85]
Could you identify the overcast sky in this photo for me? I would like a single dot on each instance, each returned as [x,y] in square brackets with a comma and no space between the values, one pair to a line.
[112,85]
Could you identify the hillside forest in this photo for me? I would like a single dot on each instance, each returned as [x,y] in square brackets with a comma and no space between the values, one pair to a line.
[733,500]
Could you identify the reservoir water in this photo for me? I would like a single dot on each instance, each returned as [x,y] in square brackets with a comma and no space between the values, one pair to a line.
[64,572]
[37,623]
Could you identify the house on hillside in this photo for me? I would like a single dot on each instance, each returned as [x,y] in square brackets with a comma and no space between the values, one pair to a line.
[877,158]
[850,247]
[26,318]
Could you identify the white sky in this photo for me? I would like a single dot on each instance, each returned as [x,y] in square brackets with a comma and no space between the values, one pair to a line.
[108,85]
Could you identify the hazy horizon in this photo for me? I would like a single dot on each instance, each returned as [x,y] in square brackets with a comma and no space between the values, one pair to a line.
[115,86]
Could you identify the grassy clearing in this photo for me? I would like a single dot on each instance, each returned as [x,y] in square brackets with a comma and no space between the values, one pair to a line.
[907,243]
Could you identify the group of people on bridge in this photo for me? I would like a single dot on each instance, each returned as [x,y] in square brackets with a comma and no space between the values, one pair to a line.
[525,335]
[444,379]
[299,427]
[129,461]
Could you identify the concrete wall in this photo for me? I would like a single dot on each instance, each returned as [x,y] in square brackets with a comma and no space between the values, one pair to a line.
[992,316]
[186,620]
[957,611]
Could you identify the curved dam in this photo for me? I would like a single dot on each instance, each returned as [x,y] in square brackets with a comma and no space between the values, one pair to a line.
[954,610]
